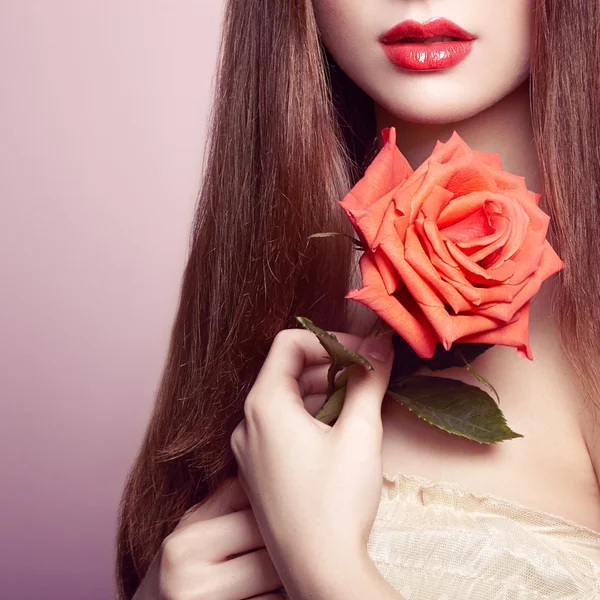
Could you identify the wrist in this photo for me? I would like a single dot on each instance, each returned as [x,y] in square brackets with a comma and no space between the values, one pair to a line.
[341,576]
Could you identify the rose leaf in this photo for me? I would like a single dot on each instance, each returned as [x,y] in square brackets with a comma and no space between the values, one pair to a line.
[341,356]
[454,406]
[355,242]
[477,375]
[332,408]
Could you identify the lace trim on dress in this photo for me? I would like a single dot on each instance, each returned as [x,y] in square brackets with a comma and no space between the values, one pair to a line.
[439,540]
[459,497]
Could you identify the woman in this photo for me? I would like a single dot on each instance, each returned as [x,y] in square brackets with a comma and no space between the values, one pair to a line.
[303,89]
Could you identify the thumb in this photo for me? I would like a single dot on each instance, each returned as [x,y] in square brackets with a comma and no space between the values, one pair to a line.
[366,389]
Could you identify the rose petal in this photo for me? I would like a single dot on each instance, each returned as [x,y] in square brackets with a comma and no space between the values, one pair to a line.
[530,253]
[550,263]
[501,292]
[454,148]
[388,274]
[470,175]
[500,213]
[490,160]
[451,272]
[416,257]
[457,234]
[527,259]
[471,230]
[508,181]
[367,221]
[447,327]
[436,202]
[420,290]
[461,207]
[388,169]
[514,334]
[432,233]
[436,177]
[407,320]
[476,274]
[511,219]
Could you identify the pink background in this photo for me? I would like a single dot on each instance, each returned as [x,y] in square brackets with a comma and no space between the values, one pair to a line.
[103,109]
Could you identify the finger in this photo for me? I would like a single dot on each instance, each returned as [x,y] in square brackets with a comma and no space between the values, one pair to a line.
[366,389]
[246,576]
[314,403]
[292,351]
[229,497]
[314,380]
[224,536]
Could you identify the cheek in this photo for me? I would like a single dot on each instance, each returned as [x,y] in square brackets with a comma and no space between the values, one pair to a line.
[507,37]
[349,30]
[346,26]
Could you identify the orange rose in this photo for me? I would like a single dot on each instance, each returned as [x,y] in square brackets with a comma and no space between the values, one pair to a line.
[454,251]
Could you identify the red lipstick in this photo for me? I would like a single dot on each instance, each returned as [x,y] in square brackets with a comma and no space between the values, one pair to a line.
[432,46]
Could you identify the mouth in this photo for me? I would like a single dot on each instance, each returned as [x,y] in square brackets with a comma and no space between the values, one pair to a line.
[430,40]
[432,46]
[432,29]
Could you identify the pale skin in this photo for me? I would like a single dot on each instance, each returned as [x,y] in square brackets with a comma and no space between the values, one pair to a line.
[307,495]
[553,468]
[309,492]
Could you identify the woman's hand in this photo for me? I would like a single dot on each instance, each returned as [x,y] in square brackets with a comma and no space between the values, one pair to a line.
[197,560]
[314,489]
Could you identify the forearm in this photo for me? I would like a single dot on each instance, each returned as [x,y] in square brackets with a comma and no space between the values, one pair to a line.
[354,579]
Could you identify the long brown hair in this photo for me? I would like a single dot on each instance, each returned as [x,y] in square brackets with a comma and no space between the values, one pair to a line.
[289,135]
[565,85]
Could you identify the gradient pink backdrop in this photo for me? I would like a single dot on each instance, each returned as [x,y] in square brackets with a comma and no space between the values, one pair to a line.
[103,109]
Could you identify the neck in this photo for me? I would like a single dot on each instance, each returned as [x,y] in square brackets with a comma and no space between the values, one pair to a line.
[504,129]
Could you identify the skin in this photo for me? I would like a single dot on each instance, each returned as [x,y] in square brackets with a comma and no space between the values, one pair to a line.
[298,475]
[199,558]
[326,484]
[499,62]
[554,467]
[337,469]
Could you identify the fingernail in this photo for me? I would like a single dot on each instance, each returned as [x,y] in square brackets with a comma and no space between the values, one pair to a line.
[378,347]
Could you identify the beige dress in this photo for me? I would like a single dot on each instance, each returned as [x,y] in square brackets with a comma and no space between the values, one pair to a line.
[440,541]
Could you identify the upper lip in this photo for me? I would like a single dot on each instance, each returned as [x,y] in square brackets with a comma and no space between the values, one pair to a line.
[434,27]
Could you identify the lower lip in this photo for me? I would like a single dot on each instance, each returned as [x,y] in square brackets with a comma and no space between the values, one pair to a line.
[428,57]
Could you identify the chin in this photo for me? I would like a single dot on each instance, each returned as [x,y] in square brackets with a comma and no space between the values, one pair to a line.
[436,113]
[433,103]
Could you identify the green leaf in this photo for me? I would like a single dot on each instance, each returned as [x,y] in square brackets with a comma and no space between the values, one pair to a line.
[332,408]
[475,374]
[454,406]
[355,242]
[341,356]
